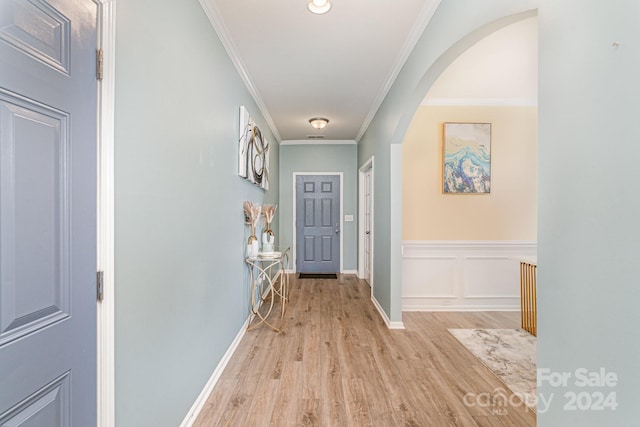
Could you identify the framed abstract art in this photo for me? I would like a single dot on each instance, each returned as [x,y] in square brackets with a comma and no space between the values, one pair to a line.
[466,165]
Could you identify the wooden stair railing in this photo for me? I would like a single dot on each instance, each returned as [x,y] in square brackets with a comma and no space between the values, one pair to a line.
[528,312]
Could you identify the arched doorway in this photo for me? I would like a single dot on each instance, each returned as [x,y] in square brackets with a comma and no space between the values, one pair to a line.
[460,251]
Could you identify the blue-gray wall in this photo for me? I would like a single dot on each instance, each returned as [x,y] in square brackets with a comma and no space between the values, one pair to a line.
[589,205]
[588,290]
[456,26]
[321,158]
[181,294]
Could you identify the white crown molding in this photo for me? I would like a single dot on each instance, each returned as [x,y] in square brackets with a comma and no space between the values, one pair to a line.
[480,102]
[416,32]
[318,142]
[218,25]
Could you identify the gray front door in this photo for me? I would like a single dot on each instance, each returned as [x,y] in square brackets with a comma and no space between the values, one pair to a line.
[318,223]
[47,213]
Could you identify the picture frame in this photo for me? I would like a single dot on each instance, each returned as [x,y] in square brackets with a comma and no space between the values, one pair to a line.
[466,158]
[253,151]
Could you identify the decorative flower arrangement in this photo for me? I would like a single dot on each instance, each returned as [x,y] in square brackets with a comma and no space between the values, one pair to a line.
[268,238]
[251,216]
[268,212]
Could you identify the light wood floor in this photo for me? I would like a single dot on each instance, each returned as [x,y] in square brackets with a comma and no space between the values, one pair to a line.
[337,364]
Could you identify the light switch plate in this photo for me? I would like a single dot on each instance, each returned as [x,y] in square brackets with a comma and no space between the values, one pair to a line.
[348,218]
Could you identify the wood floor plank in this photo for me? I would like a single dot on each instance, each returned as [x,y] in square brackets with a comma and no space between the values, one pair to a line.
[330,373]
[263,403]
[213,410]
[356,405]
[308,413]
[332,403]
[337,364]
[285,410]
[489,422]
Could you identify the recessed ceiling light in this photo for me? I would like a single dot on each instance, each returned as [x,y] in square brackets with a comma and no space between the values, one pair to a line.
[319,6]
[318,122]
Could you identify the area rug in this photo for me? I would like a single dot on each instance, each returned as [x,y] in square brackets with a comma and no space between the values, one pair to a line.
[509,353]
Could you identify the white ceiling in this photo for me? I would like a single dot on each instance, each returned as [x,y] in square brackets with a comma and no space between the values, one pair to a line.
[340,65]
[501,69]
[299,65]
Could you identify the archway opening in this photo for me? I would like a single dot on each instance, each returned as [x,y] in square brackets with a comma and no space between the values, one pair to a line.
[458,248]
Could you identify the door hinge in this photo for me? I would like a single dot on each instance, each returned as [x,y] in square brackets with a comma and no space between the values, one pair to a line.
[100,285]
[99,63]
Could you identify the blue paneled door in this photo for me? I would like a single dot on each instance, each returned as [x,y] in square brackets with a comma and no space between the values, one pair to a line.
[318,223]
[48,213]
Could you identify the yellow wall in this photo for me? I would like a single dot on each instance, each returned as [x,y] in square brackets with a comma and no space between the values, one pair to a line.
[508,213]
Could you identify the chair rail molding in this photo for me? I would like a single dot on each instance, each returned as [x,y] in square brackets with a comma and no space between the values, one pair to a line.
[455,275]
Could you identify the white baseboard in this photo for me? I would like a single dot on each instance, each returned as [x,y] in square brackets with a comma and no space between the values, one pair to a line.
[429,307]
[208,388]
[385,318]
[197,406]
[396,325]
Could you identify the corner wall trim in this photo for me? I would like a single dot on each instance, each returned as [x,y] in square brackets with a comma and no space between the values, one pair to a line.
[385,318]
[197,406]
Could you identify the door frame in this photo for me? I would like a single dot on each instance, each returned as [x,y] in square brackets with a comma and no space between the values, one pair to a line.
[105,310]
[368,166]
[293,223]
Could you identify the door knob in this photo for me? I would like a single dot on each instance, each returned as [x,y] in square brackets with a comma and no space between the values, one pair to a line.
[367,232]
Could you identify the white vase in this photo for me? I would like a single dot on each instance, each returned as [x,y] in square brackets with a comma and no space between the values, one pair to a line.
[268,236]
[268,239]
[253,248]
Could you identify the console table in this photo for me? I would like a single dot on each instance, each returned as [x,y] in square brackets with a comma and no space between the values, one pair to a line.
[269,288]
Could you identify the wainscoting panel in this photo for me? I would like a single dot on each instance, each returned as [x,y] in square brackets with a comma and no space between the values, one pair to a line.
[462,275]
[429,277]
[491,277]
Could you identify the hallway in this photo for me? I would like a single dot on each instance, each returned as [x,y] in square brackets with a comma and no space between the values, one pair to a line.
[337,364]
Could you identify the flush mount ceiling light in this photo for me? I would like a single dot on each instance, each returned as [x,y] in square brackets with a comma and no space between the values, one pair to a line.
[318,122]
[319,6]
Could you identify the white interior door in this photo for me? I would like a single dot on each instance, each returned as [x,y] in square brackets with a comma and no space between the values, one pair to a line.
[48,212]
[367,226]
